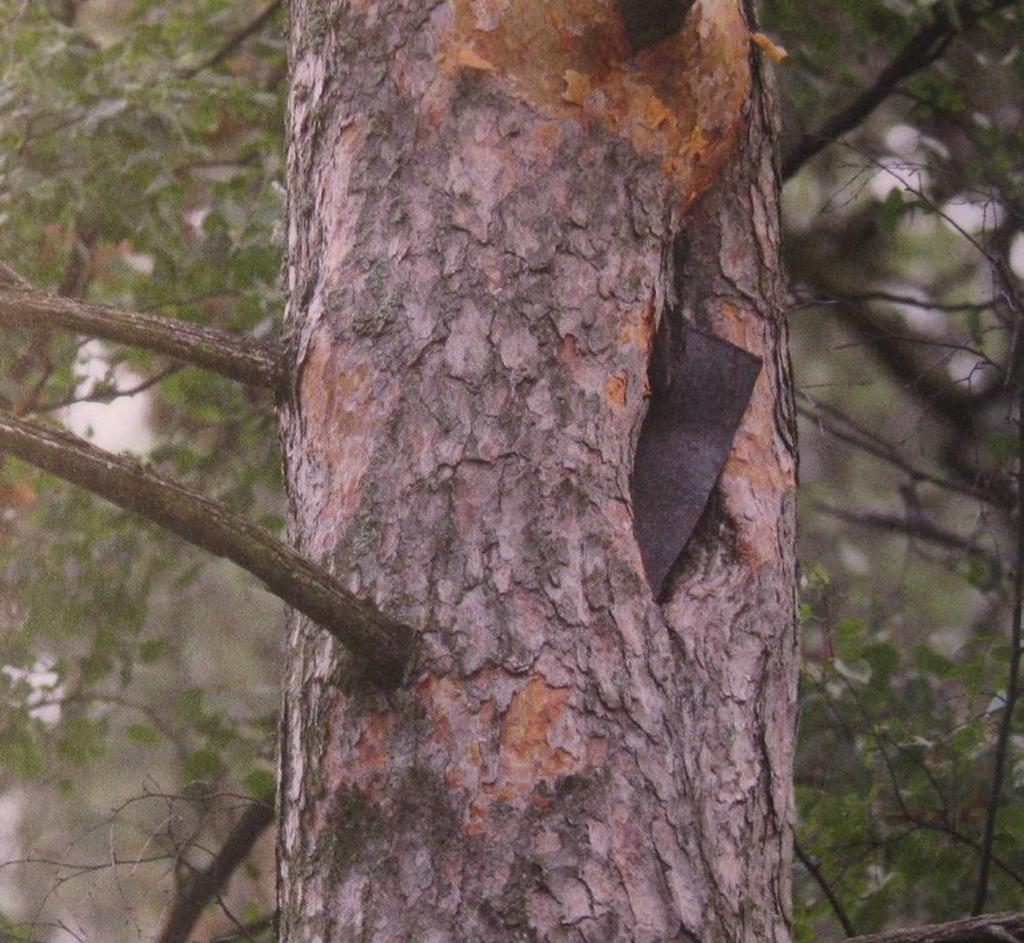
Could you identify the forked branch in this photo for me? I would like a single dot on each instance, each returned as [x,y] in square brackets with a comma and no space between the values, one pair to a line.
[381,645]
[238,358]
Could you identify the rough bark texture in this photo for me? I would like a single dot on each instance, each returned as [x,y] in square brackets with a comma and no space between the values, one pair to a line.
[492,206]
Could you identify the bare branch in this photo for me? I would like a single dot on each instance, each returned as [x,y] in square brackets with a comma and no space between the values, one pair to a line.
[383,646]
[815,872]
[10,277]
[956,405]
[1013,679]
[239,358]
[836,423]
[921,529]
[233,41]
[204,885]
[962,838]
[896,298]
[101,394]
[992,928]
[920,51]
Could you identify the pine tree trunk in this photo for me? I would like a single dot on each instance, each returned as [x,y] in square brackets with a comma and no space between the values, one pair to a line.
[493,204]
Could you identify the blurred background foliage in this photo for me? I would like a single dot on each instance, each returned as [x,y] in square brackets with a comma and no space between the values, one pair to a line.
[141,163]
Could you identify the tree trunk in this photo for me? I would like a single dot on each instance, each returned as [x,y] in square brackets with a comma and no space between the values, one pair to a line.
[493,204]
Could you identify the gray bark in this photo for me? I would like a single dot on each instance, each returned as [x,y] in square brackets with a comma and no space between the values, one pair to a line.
[488,217]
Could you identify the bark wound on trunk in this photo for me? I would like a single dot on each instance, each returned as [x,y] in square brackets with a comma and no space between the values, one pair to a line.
[491,206]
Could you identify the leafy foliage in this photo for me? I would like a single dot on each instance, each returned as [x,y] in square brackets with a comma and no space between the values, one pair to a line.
[905,250]
[895,767]
[128,177]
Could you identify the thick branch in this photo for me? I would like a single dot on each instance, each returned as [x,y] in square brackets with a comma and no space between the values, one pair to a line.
[381,645]
[203,885]
[992,928]
[240,358]
[920,51]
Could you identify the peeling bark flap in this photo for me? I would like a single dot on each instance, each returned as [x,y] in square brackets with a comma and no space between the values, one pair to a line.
[684,441]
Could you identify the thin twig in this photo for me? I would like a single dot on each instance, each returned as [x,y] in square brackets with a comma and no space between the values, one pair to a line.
[908,815]
[896,298]
[921,529]
[878,447]
[1006,927]
[109,395]
[962,838]
[203,886]
[1013,679]
[951,401]
[815,872]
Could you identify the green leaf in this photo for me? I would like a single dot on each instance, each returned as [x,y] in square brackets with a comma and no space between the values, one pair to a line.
[83,739]
[202,765]
[151,650]
[930,662]
[142,733]
[891,210]
[858,671]
[190,707]
[261,783]
[19,752]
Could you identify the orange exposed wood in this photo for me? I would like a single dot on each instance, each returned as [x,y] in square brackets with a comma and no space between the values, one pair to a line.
[680,100]
[639,326]
[615,388]
[342,401]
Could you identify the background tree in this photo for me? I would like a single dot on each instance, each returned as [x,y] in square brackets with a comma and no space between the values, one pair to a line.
[142,166]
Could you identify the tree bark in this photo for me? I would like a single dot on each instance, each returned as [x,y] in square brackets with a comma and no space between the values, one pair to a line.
[493,205]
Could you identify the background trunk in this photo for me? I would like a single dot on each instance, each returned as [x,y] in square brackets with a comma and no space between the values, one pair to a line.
[491,207]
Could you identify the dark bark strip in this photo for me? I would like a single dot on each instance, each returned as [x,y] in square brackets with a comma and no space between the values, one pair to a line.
[382,646]
[204,885]
[249,361]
